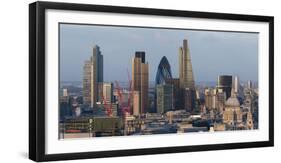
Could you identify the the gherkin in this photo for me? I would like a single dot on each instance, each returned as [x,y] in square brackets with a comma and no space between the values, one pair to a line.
[163,71]
[162,76]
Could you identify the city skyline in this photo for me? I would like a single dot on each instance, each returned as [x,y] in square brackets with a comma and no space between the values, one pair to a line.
[173,105]
[73,59]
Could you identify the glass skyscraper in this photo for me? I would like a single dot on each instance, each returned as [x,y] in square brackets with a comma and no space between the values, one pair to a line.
[93,74]
[186,79]
[163,72]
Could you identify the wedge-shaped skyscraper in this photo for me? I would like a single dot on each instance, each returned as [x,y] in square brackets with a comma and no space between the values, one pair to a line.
[185,67]
[187,85]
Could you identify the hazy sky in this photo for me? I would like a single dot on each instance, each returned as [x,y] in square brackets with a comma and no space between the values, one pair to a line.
[212,53]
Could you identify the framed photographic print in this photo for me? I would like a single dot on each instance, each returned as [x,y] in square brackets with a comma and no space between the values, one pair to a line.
[110,81]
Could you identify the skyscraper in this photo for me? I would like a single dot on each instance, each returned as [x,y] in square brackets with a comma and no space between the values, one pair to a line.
[186,77]
[93,74]
[185,67]
[140,79]
[225,83]
[163,76]
[163,72]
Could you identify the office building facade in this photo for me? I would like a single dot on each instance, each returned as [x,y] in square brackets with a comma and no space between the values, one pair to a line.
[164,98]
[163,72]
[140,78]
[177,93]
[136,103]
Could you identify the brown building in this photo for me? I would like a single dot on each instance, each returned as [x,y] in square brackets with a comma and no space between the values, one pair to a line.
[87,82]
[140,73]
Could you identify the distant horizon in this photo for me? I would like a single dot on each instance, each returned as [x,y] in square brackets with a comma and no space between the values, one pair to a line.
[150,81]
[154,81]
[212,53]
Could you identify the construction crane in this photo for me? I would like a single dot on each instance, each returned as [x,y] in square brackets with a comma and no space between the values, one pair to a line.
[107,108]
[125,109]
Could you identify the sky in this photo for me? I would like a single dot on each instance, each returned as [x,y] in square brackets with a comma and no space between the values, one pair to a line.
[212,53]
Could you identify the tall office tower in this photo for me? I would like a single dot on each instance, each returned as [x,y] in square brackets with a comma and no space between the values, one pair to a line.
[93,74]
[163,72]
[162,76]
[87,82]
[185,67]
[140,79]
[164,98]
[186,78]
[225,83]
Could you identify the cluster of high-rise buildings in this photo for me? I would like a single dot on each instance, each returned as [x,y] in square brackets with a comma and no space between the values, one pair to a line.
[176,93]
[170,93]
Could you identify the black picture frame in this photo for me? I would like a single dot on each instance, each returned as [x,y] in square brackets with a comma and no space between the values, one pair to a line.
[37,37]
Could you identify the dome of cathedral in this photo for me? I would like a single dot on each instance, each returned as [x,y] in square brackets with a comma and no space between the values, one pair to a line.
[232,101]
